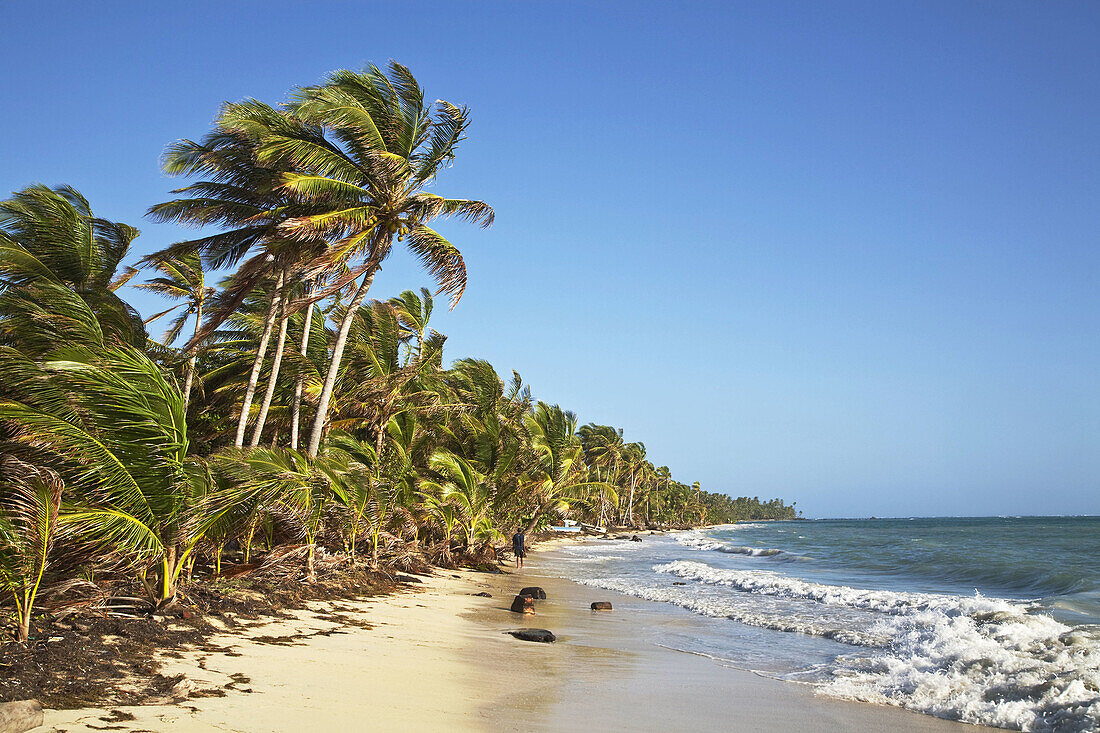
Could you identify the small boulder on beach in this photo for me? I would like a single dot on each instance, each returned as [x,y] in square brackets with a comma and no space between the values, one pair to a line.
[523,604]
[635,538]
[483,594]
[534,592]
[539,635]
[16,717]
[601,605]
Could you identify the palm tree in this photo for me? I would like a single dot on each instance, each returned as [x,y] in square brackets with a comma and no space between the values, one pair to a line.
[59,270]
[181,278]
[300,378]
[382,144]
[246,197]
[661,475]
[635,462]
[558,473]
[603,449]
[112,426]
[465,487]
[489,423]
[414,311]
[28,527]
[293,488]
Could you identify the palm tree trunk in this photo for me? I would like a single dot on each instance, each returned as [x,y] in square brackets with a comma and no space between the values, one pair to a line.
[630,501]
[530,527]
[168,577]
[23,632]
[273,380]
[296,408]
[338,354]
[257,363]
[193,360]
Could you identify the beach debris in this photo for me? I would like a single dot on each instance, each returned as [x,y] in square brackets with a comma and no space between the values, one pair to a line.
[601,605]
[237,571]
[635,538]
[483,594]
[523,604]
[407,579]
[180,691]
[539,635]
[16,717]
[679,582]
[534,592]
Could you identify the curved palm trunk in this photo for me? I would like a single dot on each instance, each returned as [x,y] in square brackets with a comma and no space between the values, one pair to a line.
[630,501]
[296,408]
[338,354]
[191,363]
[534,521]
[257,364]
[273,380]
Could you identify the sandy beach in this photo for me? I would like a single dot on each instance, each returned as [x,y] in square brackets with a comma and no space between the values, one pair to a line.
[436,657]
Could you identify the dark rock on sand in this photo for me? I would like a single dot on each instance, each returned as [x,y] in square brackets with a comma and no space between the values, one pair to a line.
[635,538]
[483,594]
[679,582]
[601,605]
[16,717]
[534,592]
[540,635]
[523,604]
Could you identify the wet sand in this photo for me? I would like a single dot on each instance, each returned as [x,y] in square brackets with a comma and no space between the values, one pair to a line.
[438,658]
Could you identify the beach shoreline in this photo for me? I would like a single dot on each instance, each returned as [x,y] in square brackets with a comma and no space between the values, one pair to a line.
[435,656]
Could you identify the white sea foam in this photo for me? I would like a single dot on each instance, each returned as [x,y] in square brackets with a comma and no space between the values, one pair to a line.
[763,618]
[1026,672]
[971,658]
[698,541]
[766,582]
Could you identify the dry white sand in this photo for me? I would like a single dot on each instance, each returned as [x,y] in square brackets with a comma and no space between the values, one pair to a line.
[438,658]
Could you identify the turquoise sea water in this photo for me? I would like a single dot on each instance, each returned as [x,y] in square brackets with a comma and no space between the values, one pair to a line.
[986,620]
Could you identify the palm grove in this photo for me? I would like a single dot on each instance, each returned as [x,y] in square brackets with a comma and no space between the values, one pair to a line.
[282,408]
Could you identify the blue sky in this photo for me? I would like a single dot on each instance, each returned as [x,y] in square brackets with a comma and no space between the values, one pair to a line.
[844,253]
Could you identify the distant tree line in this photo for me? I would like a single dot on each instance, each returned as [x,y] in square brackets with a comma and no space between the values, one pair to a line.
[723,509]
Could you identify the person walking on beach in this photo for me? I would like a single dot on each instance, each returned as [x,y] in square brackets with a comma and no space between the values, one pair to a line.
[519,547]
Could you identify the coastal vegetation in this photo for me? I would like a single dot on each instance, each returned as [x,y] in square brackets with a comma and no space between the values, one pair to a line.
[286,411]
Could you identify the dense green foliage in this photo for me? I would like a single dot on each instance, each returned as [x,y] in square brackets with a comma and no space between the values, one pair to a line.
[295,412]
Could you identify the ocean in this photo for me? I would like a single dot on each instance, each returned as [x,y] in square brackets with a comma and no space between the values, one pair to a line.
[984,620]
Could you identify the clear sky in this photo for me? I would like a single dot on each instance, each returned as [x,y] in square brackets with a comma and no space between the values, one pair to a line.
[844,253]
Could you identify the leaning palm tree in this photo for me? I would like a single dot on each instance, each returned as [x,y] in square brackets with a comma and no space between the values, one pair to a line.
[558,474]
[634,462]
[247,199]
[181,278]
[295,490]
[603,451]
[111,424]
[382,145]
[462,485]
[489,426]
[60,264]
